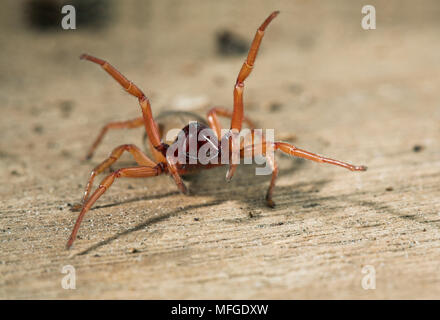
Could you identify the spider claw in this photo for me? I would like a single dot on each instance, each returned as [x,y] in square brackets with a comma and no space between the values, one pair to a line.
[70,242]
[230,172]
[76,207]
[183,189]
[270,203]
[268,20]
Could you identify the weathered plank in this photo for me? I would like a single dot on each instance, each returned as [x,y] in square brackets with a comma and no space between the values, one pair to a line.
[364,97]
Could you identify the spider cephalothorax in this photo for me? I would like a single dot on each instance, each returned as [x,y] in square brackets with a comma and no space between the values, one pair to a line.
[209,137]
[196,144]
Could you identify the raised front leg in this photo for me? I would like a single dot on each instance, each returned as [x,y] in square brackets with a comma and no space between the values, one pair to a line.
[150,125]
[237,116]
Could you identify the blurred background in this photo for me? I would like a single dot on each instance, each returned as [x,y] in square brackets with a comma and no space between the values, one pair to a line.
[364,96]
[186,55]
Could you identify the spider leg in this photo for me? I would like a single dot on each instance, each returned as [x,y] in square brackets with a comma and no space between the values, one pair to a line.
[214,123]
[296,152]
[251,150]
[134,172]
[150,125]
[273,165]
[129,124]
[140,158]
[237,116]
[245,70]
[262,149]
[222,112]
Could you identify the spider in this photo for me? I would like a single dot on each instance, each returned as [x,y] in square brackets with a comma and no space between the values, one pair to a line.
[163,162]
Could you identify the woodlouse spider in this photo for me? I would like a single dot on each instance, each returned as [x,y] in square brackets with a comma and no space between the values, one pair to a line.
[162,163]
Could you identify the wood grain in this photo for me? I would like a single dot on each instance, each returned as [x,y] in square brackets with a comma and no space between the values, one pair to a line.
[368,97]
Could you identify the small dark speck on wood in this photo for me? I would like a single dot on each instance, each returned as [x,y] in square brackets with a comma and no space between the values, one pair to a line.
[310,205]
[66,107]
[38,129]
[230,44]
[274,107]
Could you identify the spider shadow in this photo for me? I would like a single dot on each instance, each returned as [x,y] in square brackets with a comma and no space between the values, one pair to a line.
[212,183]
[146,223]
[381,207]
[137,199]
[246,187]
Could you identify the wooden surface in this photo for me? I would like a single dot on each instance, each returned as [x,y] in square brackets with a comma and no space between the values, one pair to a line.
[368,97]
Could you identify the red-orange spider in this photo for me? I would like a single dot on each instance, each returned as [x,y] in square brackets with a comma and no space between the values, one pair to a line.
[162,164]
